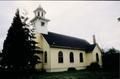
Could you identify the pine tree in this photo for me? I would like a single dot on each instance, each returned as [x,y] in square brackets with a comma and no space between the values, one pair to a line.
[31,49]
[19,49]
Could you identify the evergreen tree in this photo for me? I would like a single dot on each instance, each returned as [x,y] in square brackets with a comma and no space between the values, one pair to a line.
[19,49]
[31,49]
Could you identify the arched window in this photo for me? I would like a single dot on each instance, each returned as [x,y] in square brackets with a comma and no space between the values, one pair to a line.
[45,55]
[71,57]
[60,57]
[97,57]
[81,57]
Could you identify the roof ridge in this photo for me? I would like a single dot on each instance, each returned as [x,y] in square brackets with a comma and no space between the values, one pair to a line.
[68,36]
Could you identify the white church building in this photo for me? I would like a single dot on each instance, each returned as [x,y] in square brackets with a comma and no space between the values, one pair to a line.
[60,52]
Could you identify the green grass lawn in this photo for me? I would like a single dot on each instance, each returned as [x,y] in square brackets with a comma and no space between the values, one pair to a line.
[66,75]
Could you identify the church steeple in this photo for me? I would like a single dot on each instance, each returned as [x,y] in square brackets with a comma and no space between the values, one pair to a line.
[40,12]
[39,22]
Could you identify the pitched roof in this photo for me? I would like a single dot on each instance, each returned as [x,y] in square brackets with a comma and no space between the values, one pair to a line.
[40,8]
[39,18]
[63,41]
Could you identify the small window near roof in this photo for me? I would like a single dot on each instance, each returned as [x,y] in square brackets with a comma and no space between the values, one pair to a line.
[42,23]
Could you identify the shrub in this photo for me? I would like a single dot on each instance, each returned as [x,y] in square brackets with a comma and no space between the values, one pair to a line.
[93,66]
[71,69]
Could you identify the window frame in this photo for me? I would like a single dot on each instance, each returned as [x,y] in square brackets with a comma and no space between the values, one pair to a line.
[42,14]
[45,57]
[71,57]
[38,13]
[97,57]
[60,57]
[81,57]
[42,23]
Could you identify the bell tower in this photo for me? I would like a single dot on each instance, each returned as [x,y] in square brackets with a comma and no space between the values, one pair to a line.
[39,21]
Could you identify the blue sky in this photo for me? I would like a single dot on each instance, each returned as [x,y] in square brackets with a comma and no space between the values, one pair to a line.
[80,19]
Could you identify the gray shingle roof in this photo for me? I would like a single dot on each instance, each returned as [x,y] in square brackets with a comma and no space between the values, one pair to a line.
[63,41]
